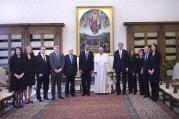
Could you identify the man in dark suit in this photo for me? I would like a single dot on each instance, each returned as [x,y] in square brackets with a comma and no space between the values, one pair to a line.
[86,67]
[120,65]
[145,70]
[70,71]
[43,72]
[57,61]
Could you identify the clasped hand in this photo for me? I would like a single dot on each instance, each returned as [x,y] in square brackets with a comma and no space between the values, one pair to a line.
[58,70]
[151,71]
[19,76]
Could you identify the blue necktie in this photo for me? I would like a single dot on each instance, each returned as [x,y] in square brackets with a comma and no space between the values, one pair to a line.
[71,58]
[146,57]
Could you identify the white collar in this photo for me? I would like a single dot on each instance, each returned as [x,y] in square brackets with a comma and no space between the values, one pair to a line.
[147,54]
[57,52]
[120,49]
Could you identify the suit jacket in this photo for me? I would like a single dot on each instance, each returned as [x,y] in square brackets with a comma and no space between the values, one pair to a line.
[56,63]
[70,68]
[42,66]
[17,65]
[120,64]
[86,65]
[154,63]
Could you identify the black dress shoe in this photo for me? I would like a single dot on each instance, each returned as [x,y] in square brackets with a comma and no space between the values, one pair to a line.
[141,93]
[16,106]
[73,95]
[88,94]
[40,100]
[46,99]
[145,96]
[154,99]
[118,93]
[21,106]
[60,97]
[53,98]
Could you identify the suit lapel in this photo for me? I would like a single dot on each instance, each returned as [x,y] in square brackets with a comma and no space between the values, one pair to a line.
[118,55]
[41,58]
[56,56]
[122,54]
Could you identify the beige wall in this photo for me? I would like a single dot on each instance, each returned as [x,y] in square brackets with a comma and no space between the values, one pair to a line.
[64,11]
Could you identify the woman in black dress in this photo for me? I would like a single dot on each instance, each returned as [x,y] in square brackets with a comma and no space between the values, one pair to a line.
[154,72]
[132,83]
[140,62]
[30,74]
[17,70]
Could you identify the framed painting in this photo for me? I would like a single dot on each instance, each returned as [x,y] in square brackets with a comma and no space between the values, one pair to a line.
[95,27]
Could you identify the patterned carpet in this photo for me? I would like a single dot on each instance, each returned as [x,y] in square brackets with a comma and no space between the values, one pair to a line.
[27,112]
[147,109]
[95,107]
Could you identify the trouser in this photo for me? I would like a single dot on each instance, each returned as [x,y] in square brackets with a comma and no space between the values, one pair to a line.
[155,90]
[45,81]
[121,76]
[146,85]
[132,83]
[56,80]
[86,82]
[71,80]
[141,84]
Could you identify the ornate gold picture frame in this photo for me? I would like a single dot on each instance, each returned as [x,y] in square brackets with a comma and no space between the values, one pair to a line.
[95,27]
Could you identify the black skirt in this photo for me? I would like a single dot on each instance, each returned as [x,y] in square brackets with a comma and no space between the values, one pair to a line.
[30,78]
[17,84]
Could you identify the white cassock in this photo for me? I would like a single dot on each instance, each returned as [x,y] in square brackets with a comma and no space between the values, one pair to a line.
[175,71]
[101,66]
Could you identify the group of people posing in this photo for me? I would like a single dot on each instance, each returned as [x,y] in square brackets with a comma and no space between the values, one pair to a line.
[26,69]
[145,66]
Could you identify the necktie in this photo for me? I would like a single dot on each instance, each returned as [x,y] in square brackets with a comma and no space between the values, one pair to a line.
[71,58]
[86,55]
[57,54]
[44,57]
[146,57]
